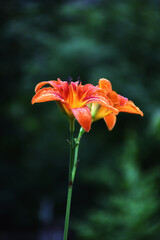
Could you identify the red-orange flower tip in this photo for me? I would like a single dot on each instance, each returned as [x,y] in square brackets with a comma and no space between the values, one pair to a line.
[73,98]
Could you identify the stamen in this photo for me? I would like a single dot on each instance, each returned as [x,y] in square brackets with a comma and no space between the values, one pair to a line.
[69,79]
[78,79]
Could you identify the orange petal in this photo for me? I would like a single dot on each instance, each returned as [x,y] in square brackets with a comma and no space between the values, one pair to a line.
[64,88]
[41,84]
[110,121]
[130,107]
[83,116]
[114,98]
[86,91]
[89,88]
[122,100]
[105,84]
[45,95]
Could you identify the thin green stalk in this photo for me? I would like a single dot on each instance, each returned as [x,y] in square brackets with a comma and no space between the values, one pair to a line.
[77,142]
[67,212]
[72,170]
[66,224]
[71,149]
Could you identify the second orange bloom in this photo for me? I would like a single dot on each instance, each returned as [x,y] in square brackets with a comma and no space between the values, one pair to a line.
[117,101]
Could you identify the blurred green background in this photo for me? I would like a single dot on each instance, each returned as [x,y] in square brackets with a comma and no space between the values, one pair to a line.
[116,192]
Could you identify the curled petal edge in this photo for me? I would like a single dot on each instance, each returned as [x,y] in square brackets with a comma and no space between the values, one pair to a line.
[130,107]
[45,95]
[105,84]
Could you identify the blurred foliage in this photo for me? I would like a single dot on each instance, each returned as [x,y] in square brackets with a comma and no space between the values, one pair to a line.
[128,209]
[116,191]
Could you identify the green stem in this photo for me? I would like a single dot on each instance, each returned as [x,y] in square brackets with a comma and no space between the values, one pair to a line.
[66,224]
[77,142]
[67,212]
[71,149]
[72,171]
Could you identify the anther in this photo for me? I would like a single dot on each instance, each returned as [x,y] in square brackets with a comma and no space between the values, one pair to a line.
[69,79]
[78,79]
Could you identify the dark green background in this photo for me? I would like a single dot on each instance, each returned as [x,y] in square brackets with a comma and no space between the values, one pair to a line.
[116,193]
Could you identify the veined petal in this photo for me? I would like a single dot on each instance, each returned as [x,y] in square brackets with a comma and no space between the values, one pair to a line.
[110,121]
[105,84]
[130,107]
[87,88]
[85,91]
[45,95]
[83,116]
[64,89]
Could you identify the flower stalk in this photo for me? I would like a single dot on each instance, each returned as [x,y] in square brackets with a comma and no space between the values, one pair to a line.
[74,147]
[77,142]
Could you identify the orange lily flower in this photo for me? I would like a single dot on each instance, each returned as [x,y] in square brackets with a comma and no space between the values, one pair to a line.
[72,98]
[119,102]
